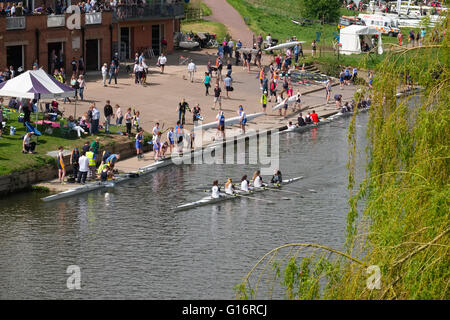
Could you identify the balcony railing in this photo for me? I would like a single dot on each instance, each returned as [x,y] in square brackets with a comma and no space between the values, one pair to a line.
[15,23]
[55,21]
[93,18]
[148,11]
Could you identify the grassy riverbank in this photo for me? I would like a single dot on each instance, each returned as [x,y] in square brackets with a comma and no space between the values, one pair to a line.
[13,160]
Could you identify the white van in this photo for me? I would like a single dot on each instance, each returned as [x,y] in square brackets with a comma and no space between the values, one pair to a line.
[383,23]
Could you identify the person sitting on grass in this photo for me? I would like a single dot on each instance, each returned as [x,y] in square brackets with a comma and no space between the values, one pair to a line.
[27,146]
[72,124]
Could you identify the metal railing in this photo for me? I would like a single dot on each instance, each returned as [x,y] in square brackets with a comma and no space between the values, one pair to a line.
[148,11]
[93,18]
[15,23]
[54,21]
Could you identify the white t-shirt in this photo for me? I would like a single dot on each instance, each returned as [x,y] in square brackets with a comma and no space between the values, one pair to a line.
[84,164]
[104,70]
[155,131]
[162,60]
[244,185]
[191,66]
[215,192]
[26,138]
[258,182]
[229,189]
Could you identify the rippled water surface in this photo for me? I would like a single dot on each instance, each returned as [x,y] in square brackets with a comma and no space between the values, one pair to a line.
[129,243]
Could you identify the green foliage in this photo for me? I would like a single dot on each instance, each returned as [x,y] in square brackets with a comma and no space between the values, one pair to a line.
[324,10]
[403,225]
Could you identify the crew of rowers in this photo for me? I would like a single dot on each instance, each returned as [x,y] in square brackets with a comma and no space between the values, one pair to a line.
[256,182]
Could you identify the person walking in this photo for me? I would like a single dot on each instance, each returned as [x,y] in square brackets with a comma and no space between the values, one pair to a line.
[108,112]
[217,97]
[228,85]
[162,60]
[104,73]
[183,106]
[192,68]
[81,86]
[112,72]
[75,85]
[207,82]
[264,101]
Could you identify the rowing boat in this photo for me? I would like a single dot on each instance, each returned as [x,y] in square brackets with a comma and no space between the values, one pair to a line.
[223,196]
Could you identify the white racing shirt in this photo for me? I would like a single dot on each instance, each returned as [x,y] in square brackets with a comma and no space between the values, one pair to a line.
[229,189]
[258,182]
[244,185]
[215,192]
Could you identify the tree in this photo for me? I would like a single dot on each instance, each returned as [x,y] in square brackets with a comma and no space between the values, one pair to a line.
[325,10]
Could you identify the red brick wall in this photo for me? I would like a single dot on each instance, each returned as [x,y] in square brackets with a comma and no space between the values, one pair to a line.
[46,35]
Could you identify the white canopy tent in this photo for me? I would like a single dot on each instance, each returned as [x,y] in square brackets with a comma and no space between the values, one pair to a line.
[351,36]
[36,84]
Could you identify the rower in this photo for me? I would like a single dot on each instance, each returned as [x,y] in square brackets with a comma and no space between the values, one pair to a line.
[244,183]
[276,178]
[215,191]
[300,121]
[291,126]
[229,188]
[257,180]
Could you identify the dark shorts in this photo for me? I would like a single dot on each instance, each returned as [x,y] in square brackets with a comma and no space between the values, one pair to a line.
[228,88]
[221,127]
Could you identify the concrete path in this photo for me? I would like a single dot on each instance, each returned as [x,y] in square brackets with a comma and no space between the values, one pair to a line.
[224,13]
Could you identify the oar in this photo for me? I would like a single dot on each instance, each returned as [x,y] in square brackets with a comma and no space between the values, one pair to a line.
[280,190]
[241,195]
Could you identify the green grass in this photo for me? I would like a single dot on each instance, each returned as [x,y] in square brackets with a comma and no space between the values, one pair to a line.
[205,26]
[13,160]
[206,11]
[274,17]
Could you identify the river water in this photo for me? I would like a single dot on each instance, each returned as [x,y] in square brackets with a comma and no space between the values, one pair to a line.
[129,243]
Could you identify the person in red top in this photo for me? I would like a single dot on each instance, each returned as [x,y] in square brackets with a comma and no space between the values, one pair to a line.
[314,117]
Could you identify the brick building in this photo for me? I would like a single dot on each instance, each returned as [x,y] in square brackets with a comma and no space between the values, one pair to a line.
[125,30]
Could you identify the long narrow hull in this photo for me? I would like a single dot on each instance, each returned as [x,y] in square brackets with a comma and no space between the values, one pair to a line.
[223,197]
[284,45]
[290,101]
[228,122]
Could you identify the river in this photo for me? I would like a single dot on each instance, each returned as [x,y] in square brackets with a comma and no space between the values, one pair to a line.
[129,243]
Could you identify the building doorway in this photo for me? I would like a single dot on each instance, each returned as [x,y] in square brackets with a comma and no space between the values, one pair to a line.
[125,43]
[15,56]
[56,57]
[156,39]
[93,54]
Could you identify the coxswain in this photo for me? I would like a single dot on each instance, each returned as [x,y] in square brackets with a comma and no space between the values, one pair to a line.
[277,178]
[291,126]
[229,188]
[215,191]
[244,184]
[257,180]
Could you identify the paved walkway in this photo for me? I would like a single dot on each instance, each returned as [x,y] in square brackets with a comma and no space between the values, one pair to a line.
[224,13]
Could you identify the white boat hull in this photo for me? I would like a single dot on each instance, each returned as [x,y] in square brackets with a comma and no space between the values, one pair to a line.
[284,45]
[210,200]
